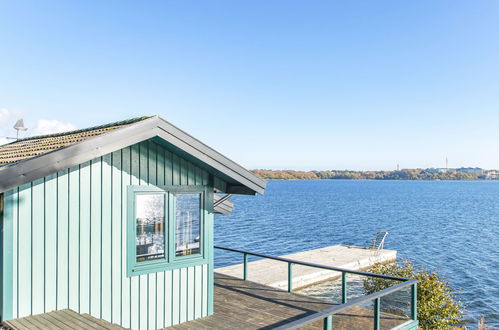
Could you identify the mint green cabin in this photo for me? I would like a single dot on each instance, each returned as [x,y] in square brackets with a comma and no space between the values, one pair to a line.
[115,221]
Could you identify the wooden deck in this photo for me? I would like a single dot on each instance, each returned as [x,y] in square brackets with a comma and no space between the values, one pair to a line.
[239,304]
[63,319]
[248,305]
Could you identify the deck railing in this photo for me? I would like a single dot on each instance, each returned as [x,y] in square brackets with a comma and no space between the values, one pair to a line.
[327,315]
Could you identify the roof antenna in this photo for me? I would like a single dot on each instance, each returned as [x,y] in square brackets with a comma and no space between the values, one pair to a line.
[19,126]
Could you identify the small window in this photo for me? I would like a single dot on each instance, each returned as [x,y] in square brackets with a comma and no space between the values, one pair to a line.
[188,224]
[150,227]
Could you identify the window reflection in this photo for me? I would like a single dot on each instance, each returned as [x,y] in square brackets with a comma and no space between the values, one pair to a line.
[150,230]
[188,224]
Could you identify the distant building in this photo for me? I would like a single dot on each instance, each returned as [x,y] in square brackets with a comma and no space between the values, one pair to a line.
[436,170]
[492,175]
[470,170]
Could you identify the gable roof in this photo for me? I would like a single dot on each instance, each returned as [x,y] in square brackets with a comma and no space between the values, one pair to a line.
[32,158]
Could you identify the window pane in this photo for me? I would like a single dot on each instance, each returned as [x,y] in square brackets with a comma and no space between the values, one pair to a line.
[150,220]
[188,224]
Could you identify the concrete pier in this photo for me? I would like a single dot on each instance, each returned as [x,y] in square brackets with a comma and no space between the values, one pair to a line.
[275,273]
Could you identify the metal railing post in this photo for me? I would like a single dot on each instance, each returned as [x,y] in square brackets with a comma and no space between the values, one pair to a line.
[414,301]
[290,276]
[376,313]
[343,287]
[245,266]
[328,323]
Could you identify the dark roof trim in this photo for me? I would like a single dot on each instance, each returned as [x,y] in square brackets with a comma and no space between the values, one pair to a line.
[28,170]
[221,205]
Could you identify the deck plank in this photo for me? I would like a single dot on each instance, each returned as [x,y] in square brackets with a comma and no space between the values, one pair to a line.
[27,323]
[60,320]
[17,324]
[44,323]
[90,321]
[55,321]
[69,320]
[103,323]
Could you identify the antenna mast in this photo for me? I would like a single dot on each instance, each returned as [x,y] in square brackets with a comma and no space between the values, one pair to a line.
[19,126]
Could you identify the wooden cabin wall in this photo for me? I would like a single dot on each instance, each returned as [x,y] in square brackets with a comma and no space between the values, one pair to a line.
[69,244]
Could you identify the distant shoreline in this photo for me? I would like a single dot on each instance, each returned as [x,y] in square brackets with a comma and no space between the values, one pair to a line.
[459,174]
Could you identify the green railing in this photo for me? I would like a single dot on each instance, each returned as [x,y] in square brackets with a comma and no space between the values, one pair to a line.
[327,315]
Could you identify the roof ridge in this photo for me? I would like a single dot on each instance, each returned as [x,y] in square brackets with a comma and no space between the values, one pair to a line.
[81,130]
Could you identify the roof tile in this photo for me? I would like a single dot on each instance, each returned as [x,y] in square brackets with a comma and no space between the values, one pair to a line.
[37,145]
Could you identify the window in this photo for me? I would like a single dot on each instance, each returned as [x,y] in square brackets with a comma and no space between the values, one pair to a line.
[187,224]
[150,225]
[165,228]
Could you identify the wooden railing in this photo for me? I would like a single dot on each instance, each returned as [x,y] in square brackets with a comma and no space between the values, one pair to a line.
[327,315]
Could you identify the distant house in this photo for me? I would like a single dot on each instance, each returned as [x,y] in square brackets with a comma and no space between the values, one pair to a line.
[115,221]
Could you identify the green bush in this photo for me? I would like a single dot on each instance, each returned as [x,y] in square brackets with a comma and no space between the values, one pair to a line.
[438,306]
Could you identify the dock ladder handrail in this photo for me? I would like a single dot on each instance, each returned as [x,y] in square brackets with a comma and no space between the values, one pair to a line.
[378,242]
[327,314]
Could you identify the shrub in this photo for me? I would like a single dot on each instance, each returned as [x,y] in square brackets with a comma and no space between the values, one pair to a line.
[438,306]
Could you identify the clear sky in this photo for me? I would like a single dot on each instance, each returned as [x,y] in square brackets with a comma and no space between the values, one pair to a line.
[271,84]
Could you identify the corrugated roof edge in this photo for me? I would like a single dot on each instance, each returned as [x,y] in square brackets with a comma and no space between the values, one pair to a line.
[30,169]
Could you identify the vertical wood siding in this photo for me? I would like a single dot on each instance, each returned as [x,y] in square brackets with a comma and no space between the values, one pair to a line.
[69,243]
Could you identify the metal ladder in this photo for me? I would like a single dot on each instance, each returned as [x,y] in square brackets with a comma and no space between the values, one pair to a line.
[378,242]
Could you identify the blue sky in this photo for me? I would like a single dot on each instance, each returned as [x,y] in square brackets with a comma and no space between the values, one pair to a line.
[271,84]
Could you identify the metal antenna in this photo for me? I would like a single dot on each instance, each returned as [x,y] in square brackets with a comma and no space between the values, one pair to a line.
[19,126]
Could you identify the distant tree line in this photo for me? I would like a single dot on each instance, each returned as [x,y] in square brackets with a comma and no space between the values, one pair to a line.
[405,174]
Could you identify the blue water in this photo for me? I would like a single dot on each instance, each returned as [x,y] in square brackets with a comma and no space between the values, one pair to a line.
[448,226]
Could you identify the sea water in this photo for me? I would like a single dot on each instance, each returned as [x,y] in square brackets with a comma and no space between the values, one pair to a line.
[451,227]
